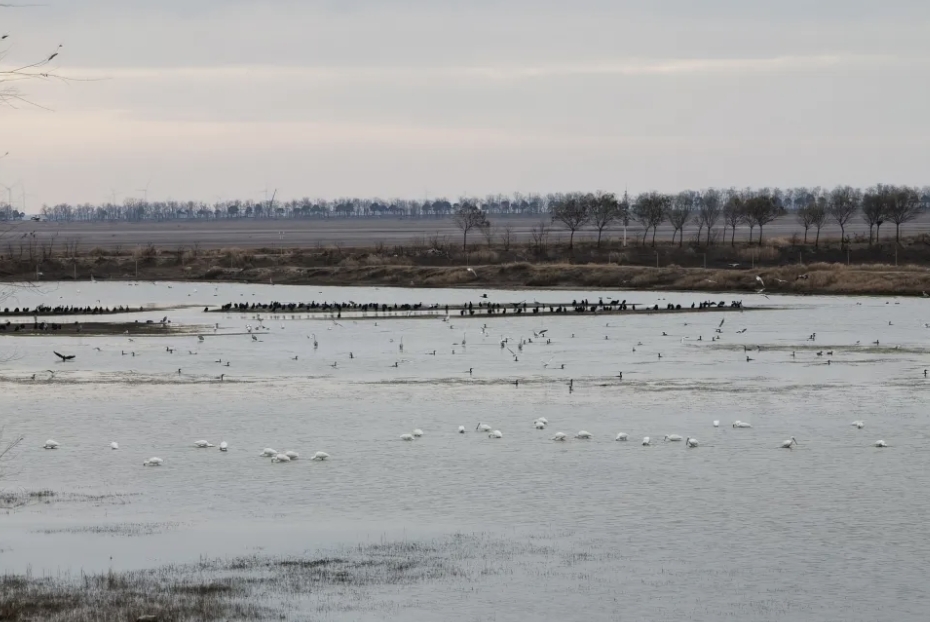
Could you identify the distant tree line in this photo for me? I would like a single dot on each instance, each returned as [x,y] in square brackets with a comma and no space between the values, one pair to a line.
[708,213]
[134,210]
[728,209]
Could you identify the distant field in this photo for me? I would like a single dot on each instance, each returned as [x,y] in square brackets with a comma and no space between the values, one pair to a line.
[348,232]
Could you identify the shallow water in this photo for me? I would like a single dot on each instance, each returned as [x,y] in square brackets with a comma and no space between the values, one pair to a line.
[737,528]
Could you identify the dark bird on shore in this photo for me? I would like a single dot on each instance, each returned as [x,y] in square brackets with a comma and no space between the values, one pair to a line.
[65,357]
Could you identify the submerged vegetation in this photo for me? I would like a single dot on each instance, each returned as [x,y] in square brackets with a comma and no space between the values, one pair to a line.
[259,587]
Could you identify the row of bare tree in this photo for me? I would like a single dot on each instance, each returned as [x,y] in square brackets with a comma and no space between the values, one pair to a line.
[135,210]
[704,210]
[813,208]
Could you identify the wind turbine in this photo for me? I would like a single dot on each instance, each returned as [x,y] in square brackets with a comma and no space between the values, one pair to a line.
[145,191]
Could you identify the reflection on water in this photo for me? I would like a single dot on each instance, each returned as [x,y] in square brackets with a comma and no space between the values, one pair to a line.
[736,528]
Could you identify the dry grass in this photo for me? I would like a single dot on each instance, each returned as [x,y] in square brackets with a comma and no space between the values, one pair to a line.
[433,263]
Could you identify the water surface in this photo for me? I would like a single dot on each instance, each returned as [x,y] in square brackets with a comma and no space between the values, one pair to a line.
[737,528]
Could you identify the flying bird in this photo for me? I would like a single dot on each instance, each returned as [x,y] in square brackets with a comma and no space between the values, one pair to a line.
[65,357]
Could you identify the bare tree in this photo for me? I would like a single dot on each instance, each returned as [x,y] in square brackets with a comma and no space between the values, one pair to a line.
[805,217]
[709,207]
[488,233]
[844,203]
[574,212]
[467,217]
[679,214]
[506,237]
[818,213]
[763,208]
[874,206]
[604,210]
[651,209]
[12,77]
[733,214]
[539,238]
[903,206]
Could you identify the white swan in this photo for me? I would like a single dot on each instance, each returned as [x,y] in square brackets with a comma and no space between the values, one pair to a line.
[293,455]
[152,462]
[268,452]
[880,444]
[559,436]
[461,429]
[716,423]
[281,458]
[539,425]
[50,444]
[544,420]
[406,437]
[495,434]
[202,444]
[483,427]
[583,434]
[691,442]
[646,442]
[673,437]
[224,446]
[787,444]
[858,424]
[418,433]
[114,445]
[622,436]
[741,424]
[320,456]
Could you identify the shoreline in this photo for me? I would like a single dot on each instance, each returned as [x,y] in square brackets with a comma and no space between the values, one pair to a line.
[810,280]
[718,269]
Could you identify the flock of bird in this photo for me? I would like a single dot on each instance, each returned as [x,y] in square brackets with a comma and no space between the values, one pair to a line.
[542,423]
[275,455]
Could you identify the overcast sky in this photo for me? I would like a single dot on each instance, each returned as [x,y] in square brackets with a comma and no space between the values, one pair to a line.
[211,99]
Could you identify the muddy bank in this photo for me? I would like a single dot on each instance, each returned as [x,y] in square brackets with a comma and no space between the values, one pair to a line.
[431,267]
[85,329]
